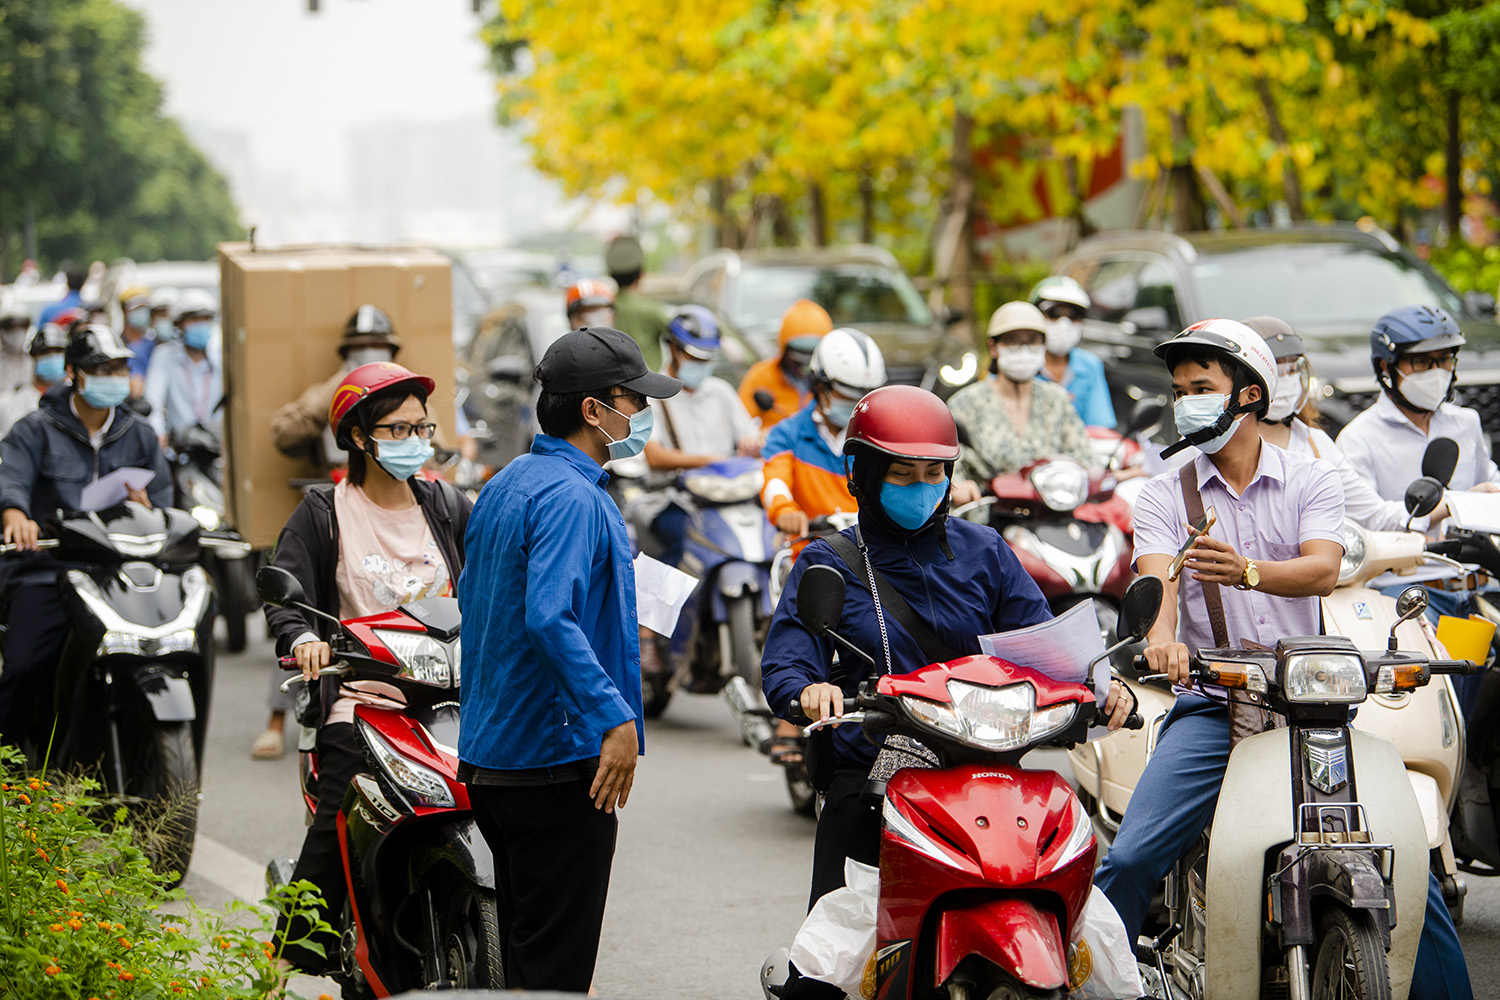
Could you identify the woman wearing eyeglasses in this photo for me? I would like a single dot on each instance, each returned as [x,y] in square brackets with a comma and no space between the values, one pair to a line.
[381,538]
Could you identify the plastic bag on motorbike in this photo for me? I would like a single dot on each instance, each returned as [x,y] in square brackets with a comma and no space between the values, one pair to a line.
[836,943]
[1101,962]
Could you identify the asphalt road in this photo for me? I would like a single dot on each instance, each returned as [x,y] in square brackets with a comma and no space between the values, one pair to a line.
[711,870]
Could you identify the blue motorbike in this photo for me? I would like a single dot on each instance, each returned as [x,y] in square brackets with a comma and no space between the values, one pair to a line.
[728,546]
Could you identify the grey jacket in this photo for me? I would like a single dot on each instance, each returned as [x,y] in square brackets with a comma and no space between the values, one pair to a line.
[46,459]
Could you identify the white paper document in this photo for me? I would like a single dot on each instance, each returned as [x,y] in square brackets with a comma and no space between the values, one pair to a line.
[1061,648]
[660,593]
[109,489]
[1477,511]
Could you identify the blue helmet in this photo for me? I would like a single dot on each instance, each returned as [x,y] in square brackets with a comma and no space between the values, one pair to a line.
[1413,330]
[694,329]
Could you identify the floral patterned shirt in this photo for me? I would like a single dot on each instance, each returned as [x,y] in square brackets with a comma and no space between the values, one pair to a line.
[994,448]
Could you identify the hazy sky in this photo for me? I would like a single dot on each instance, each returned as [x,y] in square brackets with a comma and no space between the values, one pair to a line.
[295,82]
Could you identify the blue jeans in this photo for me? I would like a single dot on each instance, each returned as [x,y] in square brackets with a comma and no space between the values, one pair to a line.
[670,528]
[1454,604]
[1172,804]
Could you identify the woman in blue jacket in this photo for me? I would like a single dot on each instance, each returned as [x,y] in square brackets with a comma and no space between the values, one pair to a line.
[960,578]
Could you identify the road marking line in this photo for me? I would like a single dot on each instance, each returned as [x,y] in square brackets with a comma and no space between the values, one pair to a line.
[240,876]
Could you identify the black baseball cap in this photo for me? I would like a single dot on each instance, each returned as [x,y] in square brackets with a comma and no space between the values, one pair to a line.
[598,357]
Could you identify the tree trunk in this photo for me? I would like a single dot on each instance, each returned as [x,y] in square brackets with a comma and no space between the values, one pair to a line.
[1291,183]
[726,233]
[866,207]
[1188,211]
[782,233]
[951,259]
[817,214]
[1453,202]
[1220,195]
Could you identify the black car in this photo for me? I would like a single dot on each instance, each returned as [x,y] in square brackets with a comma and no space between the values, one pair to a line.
[1330,282]
[860,286]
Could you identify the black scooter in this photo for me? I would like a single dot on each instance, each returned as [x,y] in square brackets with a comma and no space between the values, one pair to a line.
[198,475]
[131,691]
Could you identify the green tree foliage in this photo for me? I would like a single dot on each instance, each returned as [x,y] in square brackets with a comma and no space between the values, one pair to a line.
[85,149]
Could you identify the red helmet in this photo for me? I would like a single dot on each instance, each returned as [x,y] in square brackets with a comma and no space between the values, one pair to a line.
[590,293]
[367,379]
[904,421]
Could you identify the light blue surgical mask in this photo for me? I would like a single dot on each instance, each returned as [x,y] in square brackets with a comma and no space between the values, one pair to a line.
[139,317]
[49,368]
[839,412]
[405,458]
[1199,413]
[197,335]
[910,505]
[641,425]
[165,329]
[105,392]
[692,373]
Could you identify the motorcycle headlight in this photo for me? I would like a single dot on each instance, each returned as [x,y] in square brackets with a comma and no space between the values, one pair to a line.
[1332,678]
[207,517]
[1061,485]
[964,373]
[422,658]
[725,489]
[991,718]
[1354,553]
[418,780]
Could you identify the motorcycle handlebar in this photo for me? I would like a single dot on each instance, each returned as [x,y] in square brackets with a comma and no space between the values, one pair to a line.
[287,662]
[1134,721]
[797,717]
[1460,667]
[41,543]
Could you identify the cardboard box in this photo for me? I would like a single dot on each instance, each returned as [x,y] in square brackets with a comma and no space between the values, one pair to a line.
[284,312]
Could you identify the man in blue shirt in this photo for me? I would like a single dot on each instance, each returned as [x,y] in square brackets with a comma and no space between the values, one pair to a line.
[551,702]
[1065,305]
[72,300]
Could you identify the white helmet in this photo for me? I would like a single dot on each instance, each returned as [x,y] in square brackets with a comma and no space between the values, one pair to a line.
[1060,288]
[850,358]
[1236,341]
[164,298]
[193,300]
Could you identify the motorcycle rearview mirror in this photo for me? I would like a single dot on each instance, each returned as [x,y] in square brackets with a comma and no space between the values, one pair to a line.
[1440,459]
[1411,603]
[1140,607]
[820,599]
[1147,413]
[278,588]
[764,401]
[1422,498]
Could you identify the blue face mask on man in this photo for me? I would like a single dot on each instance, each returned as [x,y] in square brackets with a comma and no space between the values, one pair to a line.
[105,392]
[49,368]
[692,373]
[641,425]
[1199,413]
[165,329]
[138,317]
[910,505]
[197,334]
[403,459]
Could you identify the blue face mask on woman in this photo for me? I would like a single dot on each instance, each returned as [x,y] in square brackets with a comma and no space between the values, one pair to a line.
[105,392]
[49,368]
[641,425]
[402,459]
[910,505]
[197,335]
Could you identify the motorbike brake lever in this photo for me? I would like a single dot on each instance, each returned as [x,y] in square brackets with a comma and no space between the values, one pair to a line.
[833,720]
[41,543]
[333,670]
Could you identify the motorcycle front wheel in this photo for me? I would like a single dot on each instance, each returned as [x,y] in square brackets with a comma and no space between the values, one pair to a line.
[236,601]
[800,790]
[1349,962]
[743,646]
[472,955]
[161,788]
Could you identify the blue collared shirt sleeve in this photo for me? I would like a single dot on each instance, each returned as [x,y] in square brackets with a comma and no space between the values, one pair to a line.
[562,538]
[1090,389]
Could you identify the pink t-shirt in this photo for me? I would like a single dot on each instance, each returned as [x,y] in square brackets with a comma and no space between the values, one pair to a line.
[386,558]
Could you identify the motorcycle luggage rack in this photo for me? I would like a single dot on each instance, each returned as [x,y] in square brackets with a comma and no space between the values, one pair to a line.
[1318,839]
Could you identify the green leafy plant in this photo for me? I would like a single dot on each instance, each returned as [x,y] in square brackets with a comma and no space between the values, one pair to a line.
[1468,268]
[82,913]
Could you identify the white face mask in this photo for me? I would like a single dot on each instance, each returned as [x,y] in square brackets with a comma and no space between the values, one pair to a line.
[368,355]
[1426,390]
[1290,397]
[1020,363]
[1063,334]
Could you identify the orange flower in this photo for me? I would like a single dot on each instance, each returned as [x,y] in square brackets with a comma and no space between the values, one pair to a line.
[103,925]
[123,943]
[54,927]
[41,853]
[58,807]
[204,980]
[26,799]
[51,970]
[126,977]
[119,927]
[34,784]
[61,884]
[75,923]
[112,964]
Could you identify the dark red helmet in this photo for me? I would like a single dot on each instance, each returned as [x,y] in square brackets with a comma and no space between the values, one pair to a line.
[904,421]
[367,379]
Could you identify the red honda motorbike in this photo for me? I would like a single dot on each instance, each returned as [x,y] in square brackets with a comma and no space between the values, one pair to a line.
[985,866]
[422,905]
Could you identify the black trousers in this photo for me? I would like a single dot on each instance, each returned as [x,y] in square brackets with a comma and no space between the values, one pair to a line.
[36,628]
[847,828]
[340,757]
[553,851]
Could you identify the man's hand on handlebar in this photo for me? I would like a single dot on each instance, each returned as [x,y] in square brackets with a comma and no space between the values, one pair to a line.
[20,530]
[1170,658]
[1119,704]
[793,523]
[311,658]
[820,701]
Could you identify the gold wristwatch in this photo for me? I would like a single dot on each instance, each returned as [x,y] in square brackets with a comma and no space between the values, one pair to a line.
[1251,579]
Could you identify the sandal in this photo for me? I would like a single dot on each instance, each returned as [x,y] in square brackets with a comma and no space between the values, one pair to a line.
[269,745]
[788,751]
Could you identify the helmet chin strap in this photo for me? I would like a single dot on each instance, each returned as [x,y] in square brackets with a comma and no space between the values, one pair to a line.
[1213,430]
